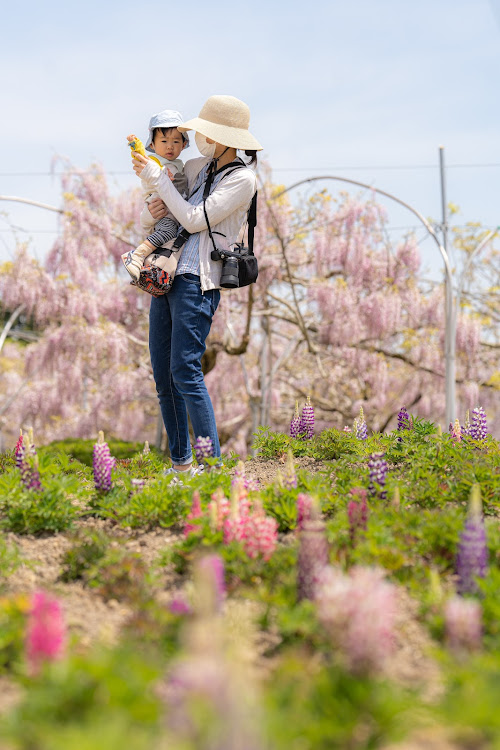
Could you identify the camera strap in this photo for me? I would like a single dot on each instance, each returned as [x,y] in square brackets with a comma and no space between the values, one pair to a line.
[252,211]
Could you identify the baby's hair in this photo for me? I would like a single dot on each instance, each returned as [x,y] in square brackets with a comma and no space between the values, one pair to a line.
[253,154]
[164,131]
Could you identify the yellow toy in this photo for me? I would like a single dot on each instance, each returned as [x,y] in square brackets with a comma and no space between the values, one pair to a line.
[137,147]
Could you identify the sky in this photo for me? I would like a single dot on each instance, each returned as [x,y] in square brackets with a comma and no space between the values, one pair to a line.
[365,90]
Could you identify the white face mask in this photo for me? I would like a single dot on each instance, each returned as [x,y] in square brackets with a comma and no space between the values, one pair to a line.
[206,149]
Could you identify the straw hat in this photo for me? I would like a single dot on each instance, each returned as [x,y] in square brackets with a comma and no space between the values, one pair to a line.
[225,120]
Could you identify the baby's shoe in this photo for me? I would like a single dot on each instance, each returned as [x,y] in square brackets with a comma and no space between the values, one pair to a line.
[134,260]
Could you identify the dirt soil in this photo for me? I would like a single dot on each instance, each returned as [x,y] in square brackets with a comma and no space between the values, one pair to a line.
[91,618]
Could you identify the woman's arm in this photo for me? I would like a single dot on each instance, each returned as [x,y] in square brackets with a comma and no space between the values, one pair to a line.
[228,195]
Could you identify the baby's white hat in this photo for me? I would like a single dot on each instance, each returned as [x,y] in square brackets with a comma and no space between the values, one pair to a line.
[168,118]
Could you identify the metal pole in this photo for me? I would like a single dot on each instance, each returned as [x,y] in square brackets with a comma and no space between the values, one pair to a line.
[450,317]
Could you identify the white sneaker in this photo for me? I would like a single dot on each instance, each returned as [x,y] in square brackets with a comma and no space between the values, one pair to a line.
[193,471]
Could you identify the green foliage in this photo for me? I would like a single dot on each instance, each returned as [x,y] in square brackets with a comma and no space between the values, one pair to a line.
[13,613]
[7,461]
[120,574]
[333,710]
[274,444]
[10,559]
[81,450]
[89,547]
[104,690]
[29,512]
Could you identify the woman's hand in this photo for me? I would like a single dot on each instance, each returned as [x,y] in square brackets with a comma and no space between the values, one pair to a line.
[157,209]
[139,162]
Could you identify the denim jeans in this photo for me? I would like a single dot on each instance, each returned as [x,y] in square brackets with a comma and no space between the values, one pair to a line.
[179,323]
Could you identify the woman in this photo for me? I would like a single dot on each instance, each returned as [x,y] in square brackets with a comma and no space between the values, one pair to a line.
[180,321]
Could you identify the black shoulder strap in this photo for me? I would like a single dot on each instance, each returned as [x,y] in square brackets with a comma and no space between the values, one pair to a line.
[252,211]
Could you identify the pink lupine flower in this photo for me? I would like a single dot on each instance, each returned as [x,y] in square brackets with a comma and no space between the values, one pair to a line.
[304,508]
[347,428]
[219,508]
[463,624]
[260,534]
[194,514]
[312,557]
[358,611]
[252,485]
[19,443]
[46,632]
[456,431]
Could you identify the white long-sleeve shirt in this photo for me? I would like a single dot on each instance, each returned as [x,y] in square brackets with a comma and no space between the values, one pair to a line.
[227,207]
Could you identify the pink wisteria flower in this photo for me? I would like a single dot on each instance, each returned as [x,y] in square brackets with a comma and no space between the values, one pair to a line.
[46,631]
[358,611]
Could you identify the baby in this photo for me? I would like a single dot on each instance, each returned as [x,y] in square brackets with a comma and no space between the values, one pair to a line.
[166,143]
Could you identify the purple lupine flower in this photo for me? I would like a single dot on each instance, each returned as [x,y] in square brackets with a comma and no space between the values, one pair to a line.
[472,555]
[360,425]
[304,509]
[306,426]
[295,423]
[103,463]
[203,448]
[358,611]
[312,557]
[289,477]
[463,624]
[405,422]
[378,472]
[357,513]
[479,426]
[27,463]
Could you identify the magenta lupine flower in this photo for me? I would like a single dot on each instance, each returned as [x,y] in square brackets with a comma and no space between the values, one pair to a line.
[472,555]
[358,611]
[378,472]
[306,426]
[360,425]
[295,423]
[405,422]
[203,448]
[312,557]
[304,509]
[19,444]
[212,570]
[463,625]
[194,514]
[103,463]
[179,606]
[46,632]
[357,513]
[479,425]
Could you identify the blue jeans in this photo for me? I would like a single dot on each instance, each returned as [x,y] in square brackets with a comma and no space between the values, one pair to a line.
[179,323]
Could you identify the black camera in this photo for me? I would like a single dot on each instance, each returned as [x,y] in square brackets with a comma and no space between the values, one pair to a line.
[229,277]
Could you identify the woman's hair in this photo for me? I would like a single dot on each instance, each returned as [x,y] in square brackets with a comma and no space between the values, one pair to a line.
[253,154]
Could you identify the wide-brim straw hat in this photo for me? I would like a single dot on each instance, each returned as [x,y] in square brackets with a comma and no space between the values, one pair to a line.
[225,120]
